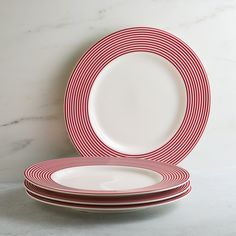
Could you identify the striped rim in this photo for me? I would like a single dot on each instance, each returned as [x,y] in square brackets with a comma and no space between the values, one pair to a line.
[120,200]
[40,174]
[107,208]
[138,39]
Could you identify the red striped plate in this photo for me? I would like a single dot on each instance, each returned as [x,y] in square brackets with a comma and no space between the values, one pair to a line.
[107,209]
[105,176]
[94,142]
[120,200]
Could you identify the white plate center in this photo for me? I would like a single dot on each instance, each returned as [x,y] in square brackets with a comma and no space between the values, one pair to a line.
[137,103]
[106,178]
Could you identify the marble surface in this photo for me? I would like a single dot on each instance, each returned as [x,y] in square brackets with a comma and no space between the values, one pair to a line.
[209,210]
[40,43]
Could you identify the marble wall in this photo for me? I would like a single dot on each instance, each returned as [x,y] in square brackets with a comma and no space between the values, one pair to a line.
[40,42]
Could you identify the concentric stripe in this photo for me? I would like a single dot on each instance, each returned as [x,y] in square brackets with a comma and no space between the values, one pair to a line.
[139,39]
[40,175]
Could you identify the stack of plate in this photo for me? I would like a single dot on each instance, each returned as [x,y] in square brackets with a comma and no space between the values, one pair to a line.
[106,184]
[135,106]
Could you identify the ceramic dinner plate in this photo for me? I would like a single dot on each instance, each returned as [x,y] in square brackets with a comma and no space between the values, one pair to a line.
[107,209]
[120,200]
[139,92]
[105,176]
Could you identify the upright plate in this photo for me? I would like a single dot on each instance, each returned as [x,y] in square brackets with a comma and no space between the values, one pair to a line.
[104,176]
[107,209]
[139,92]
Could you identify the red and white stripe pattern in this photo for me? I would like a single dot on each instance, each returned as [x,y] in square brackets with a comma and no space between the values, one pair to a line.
[120,200]
[40,175]
[138,39]
[107,208]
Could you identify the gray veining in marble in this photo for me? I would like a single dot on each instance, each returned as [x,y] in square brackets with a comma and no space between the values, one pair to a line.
[24,119]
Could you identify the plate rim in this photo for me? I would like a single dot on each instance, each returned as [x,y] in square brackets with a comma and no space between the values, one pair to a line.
[101,209]
[173,176]
[111,201]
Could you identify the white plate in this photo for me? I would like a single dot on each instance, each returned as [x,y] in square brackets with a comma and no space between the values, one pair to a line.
[139,92]
[105,176]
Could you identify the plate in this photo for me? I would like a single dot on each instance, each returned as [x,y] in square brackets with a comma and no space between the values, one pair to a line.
[103,176]
[119,200]
[107,209]
[139,92]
